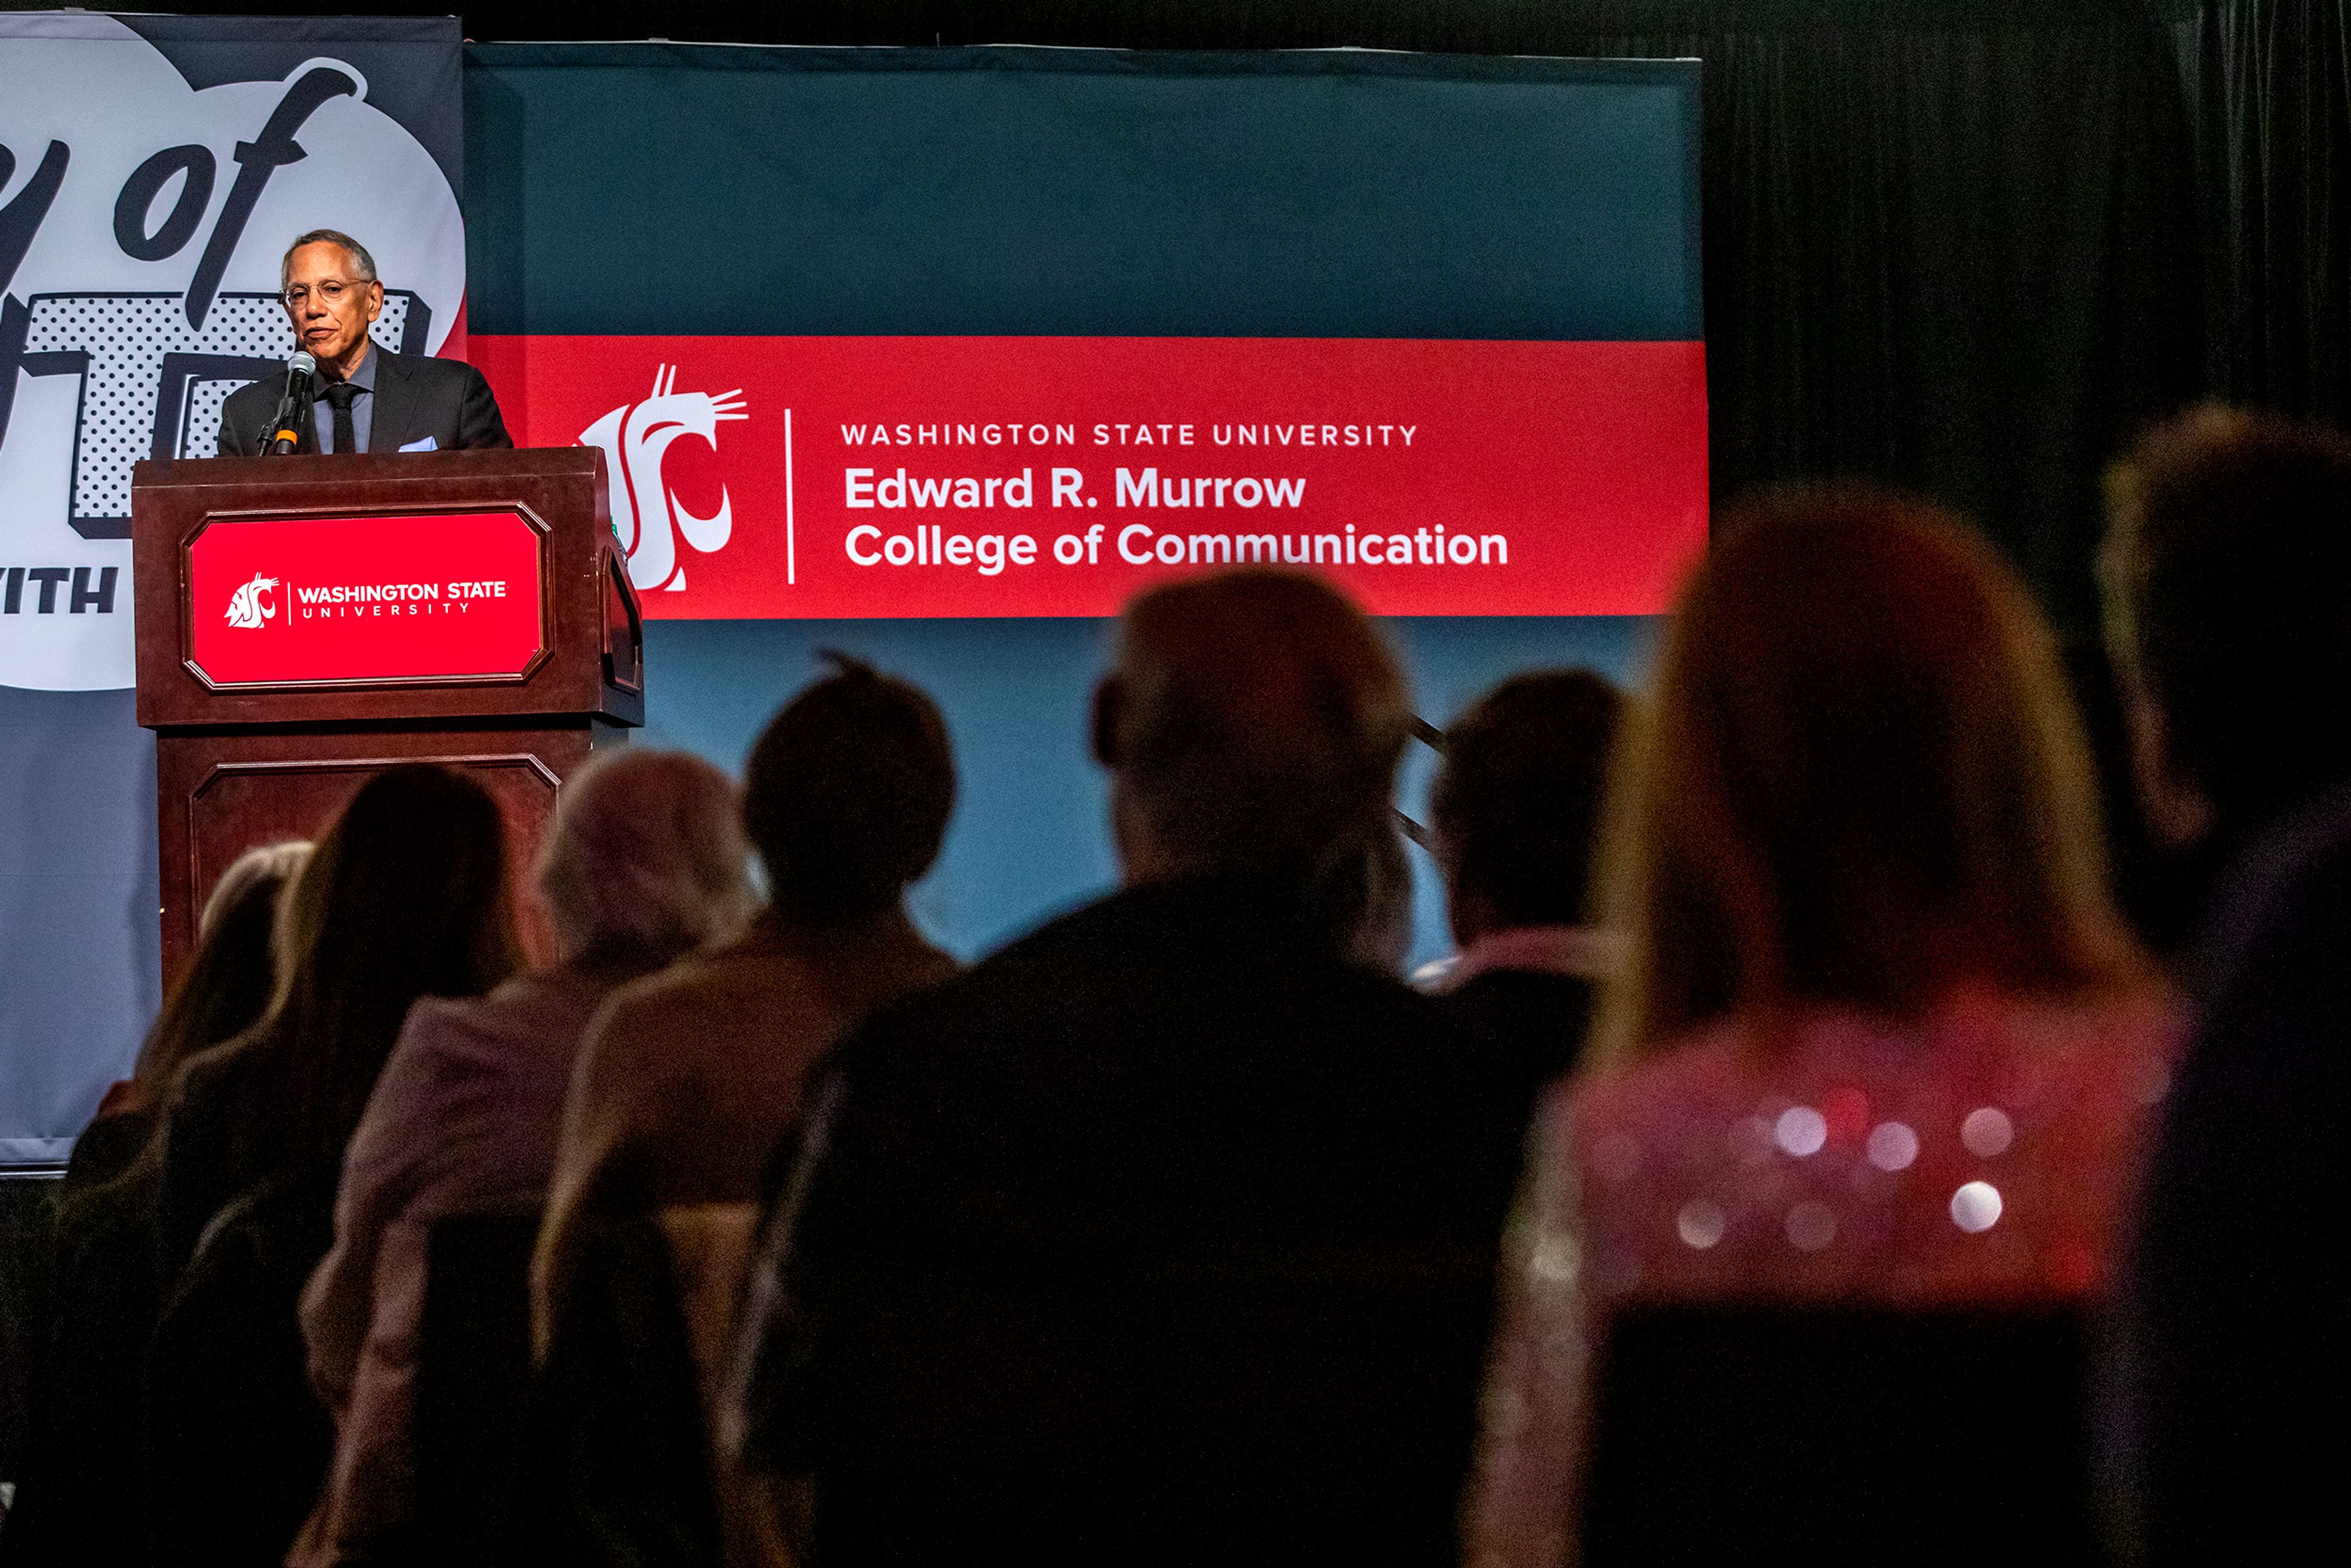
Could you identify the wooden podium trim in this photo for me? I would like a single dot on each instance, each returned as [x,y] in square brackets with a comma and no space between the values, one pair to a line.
[529,514]
[620,593]
[219,770]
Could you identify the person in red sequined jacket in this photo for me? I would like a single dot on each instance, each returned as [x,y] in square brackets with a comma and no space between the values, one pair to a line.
[1880,1038]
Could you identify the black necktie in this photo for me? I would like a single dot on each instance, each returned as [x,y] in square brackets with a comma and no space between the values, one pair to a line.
[339,394]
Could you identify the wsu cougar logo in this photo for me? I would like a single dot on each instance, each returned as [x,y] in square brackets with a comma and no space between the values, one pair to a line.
[649,520]
[249,606]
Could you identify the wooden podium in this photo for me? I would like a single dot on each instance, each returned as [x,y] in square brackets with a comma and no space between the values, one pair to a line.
[304,621]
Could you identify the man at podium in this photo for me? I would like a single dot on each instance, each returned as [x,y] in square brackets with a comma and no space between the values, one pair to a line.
[374,400]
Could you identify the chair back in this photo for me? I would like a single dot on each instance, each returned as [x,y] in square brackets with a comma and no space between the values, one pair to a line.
[237,1444]
[480,1492]
[1756,1433]
[710,1250]
[623,1404]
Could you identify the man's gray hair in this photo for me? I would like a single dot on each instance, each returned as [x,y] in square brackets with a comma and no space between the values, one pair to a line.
[646,858]
[364,263]
[1257,717]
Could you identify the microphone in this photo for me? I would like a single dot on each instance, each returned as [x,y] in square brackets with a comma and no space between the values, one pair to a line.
[282,436]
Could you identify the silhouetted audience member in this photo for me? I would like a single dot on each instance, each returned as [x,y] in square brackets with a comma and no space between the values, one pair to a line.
[72,1505]
[411,901]
[223,992]
[1879,1039]
[1166,1233]
[689,1079]
[2224,570]
[405,896]
[645,862]
[685,1089]
[1514,811]
[2227,569]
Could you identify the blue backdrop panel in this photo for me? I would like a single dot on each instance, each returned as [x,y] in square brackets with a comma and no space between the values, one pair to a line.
[664,189]
[1031,836]
[79,939]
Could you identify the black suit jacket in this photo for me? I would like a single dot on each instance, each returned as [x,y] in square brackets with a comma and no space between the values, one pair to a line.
[1535,1024]
[1160,1235]
[415,396]
[1539,1018]
[2231,1353]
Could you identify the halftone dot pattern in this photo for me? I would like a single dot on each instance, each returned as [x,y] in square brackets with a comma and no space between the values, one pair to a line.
[126,336]
[200,430]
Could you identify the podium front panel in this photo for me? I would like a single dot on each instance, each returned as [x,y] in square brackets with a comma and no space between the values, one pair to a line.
[306,621]
[221,793]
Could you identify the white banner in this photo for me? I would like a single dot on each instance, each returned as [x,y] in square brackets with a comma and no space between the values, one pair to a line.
[142,221]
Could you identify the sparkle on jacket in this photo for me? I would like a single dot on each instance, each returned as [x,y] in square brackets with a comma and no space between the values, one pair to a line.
[1985,1153]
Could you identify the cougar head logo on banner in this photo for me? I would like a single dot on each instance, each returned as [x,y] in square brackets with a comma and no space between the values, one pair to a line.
[635,438]
[249,606]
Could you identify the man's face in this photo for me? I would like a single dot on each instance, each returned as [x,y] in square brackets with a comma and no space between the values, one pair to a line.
[329,307]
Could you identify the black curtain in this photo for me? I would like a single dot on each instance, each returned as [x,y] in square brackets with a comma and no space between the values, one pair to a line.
[2269,84]
[1948,247]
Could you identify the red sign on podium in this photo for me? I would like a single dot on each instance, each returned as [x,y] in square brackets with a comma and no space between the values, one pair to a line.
[317,600]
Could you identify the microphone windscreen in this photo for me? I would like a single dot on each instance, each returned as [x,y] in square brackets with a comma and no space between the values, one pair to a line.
[300,363]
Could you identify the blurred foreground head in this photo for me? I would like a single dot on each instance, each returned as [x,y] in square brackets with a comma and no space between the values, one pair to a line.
[1861,783]
[646,860]
[1251,721]
[2226,579]
[1516,805]
[232,976]
[405,896]
[847,795]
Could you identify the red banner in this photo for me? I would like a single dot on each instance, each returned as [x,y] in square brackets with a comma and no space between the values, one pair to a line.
[318,600]
[780,478]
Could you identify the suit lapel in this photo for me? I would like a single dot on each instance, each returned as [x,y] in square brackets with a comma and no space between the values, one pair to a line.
[388,429]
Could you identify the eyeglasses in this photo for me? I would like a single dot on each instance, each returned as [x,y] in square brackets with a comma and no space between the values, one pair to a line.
[330,293]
